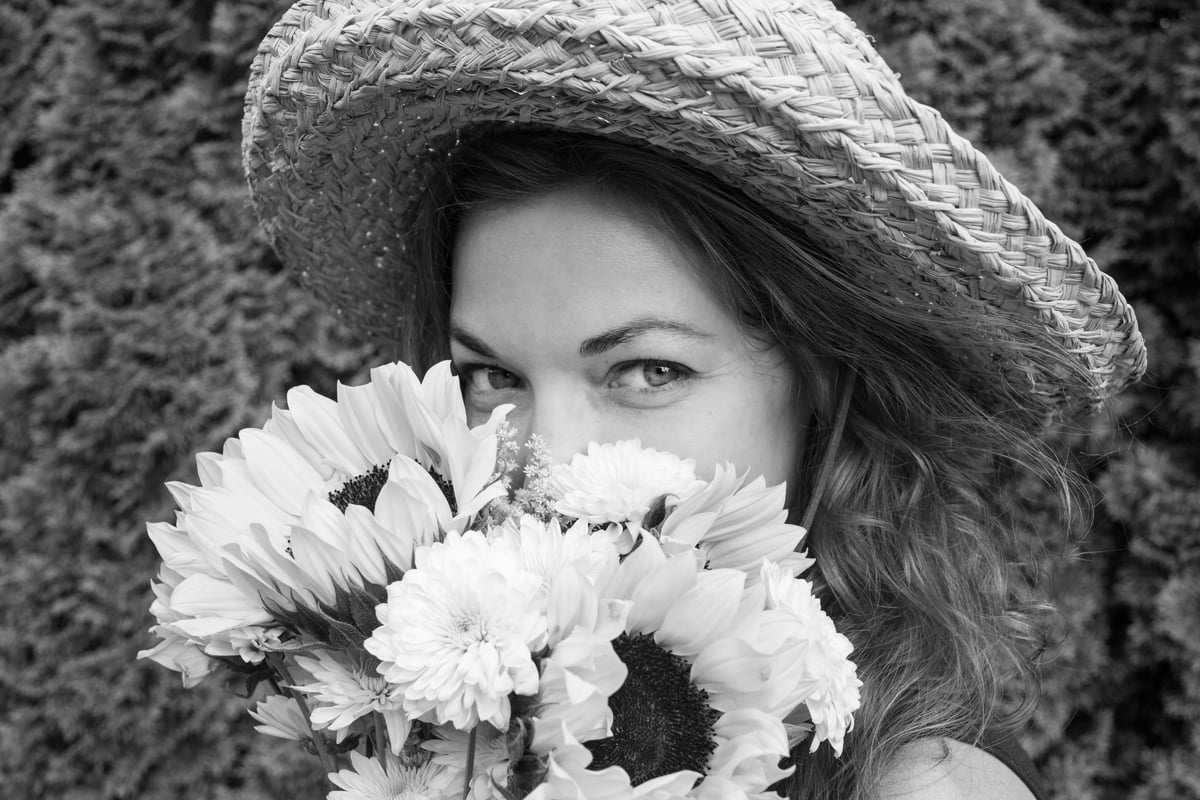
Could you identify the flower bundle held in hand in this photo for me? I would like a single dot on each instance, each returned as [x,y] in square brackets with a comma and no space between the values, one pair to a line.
[614,628]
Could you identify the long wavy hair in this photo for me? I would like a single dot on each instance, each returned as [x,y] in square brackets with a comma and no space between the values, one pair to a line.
[916,557]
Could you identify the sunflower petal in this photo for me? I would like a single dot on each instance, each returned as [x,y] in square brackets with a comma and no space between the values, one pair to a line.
[279,471]
[703,614]
[317,418]
[357,412]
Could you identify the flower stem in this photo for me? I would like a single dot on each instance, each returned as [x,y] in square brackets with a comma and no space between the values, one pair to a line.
[470,761]
[328,763]
[380,740]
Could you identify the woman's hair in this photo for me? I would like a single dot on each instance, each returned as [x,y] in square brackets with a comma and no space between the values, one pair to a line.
[915,557]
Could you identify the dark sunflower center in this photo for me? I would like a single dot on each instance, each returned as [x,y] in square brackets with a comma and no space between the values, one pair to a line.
[662,722]
[361,490]
[447,489]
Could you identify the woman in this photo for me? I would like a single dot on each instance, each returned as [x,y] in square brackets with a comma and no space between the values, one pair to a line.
[722,228]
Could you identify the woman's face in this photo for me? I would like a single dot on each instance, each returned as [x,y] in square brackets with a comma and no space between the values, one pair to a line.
[594,323]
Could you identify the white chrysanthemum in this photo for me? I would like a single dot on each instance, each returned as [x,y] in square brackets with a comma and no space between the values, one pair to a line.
[457,632]
[818,657]
[327,494]
[579,673]
[578,669]
[619,482]
[388,779]
[280,717]
[346,689]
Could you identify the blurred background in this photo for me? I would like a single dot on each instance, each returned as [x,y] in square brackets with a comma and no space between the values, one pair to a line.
[142,318]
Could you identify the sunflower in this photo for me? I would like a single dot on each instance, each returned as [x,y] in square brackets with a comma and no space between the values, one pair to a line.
[320,508]
[736,524]
[710,678]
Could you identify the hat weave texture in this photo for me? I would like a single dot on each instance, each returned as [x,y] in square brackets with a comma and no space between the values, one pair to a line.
[353,104]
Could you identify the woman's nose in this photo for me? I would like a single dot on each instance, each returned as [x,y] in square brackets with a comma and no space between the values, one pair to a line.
[565,422]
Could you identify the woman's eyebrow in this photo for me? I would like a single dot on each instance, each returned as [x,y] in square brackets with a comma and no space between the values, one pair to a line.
[472,342]
[598,344]
[603,342]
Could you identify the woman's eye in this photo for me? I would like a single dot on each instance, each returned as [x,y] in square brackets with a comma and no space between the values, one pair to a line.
[648,375]
[659,374]
[484,381]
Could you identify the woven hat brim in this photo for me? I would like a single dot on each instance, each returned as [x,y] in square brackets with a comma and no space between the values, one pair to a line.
[352,106]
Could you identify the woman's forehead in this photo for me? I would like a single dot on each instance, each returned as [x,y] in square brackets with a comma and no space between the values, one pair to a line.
[578,259]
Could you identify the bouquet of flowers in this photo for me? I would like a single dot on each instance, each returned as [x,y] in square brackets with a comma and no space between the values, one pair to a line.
[609,628]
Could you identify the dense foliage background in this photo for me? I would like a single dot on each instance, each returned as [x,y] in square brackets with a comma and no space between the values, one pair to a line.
[142,318]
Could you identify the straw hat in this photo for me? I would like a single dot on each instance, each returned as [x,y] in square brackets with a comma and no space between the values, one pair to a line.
[352,103]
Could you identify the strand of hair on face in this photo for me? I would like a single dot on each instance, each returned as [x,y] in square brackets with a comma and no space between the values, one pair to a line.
[835,438]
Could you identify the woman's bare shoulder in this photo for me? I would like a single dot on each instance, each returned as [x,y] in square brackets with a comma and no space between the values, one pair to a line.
[942,769]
